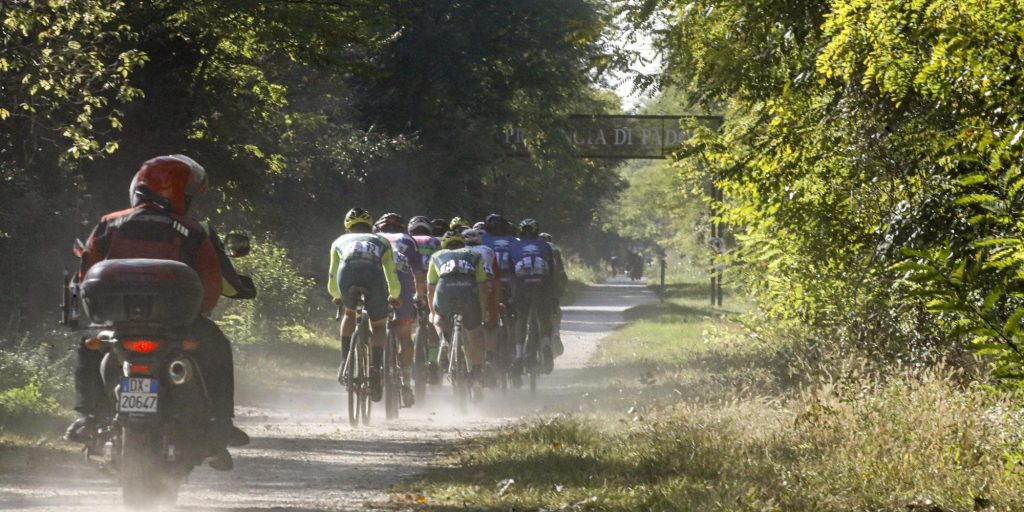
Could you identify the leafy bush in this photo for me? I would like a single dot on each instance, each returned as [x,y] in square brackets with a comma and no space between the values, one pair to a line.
[282,301]
[35,379]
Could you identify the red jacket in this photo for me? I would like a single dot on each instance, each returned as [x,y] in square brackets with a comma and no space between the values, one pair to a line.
[149,232]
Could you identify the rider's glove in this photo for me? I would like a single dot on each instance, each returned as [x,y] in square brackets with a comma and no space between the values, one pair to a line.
[395,302]
[336,301]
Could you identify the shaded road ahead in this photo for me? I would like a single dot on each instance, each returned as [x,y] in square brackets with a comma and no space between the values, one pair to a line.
[305,457]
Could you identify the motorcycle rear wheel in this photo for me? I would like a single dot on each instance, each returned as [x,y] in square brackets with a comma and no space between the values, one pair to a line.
[144,483]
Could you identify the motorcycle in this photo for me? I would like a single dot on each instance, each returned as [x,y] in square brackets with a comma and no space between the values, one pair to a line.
[156,428]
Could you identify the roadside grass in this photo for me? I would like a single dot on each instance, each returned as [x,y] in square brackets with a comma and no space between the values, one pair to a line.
[35,390]
[730,431]
[273,371]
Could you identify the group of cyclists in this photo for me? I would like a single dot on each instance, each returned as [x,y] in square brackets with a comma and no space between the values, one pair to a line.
[495,278]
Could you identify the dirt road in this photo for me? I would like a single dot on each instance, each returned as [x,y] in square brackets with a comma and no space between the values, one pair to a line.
[305,457]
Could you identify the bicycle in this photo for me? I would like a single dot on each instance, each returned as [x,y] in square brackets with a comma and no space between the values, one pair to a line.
[529,364]
[458,364]
[356,371]
[420,351]
[392,371]
[504,356]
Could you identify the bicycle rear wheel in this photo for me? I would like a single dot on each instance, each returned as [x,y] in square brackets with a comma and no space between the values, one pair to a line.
[352,381]
[419,371]
[364,388]
[459,373]
[392,378]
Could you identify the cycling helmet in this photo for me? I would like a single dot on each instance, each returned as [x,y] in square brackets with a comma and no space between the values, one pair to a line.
[544,236]
[452,240]
[494,224]
[420,222]
[479,225]
[357,216]
[457,224]
[389,223]
[472,236]
[169,182]
[438,227]
[528,226]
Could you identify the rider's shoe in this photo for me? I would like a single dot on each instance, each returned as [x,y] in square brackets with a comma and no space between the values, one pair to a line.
[556,345]
[433,374]
[547,360]
[220,460]
[227,433]
[442,358]
[408,397]
[82,430]
[376,386]
[515,373]
[488,376]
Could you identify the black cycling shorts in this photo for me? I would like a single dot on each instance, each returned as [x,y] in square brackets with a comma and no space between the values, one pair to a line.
[526,295]
[459,294]
[369,277]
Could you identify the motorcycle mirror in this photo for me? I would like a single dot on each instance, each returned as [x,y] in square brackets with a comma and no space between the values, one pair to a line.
[78,248]
[236,245]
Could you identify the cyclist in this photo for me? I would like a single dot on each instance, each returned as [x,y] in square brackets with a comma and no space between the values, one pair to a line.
[533,288]
[362,259]
[499,237]
[458,284]
[473,238]
[420,229]
[561,279]
[458,225]
[413,277]
[438,227]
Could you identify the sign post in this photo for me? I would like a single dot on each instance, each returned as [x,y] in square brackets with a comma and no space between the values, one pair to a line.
[615,136]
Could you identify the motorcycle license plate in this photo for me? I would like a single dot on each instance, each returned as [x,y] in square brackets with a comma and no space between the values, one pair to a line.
[138,395]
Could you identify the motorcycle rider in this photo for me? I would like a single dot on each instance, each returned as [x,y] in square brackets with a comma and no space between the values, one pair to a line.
[156,227]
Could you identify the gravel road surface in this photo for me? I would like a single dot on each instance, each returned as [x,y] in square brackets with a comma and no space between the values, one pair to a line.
[304,457]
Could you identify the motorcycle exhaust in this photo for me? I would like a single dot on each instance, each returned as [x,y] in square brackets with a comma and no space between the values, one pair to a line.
[179,371]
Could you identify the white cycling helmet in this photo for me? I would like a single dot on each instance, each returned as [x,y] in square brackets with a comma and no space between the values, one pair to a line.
[472,236]
[420,221]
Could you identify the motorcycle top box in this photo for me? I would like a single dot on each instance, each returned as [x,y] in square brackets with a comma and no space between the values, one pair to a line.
[141,290]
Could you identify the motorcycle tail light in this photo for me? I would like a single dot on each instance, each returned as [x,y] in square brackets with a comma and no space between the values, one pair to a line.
[138,369]
[141,346]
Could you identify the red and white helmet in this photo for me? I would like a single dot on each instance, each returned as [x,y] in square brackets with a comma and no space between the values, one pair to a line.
[169,182]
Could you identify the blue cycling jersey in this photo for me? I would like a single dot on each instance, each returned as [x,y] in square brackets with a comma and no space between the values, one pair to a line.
[502,246]
[532,261]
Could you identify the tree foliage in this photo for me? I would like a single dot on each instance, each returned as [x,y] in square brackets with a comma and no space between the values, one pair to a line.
[869,161]
[298,110]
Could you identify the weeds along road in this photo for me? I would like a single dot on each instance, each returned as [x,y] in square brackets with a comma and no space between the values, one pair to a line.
[305,457]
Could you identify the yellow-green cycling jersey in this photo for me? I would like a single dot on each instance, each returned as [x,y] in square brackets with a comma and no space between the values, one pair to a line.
[360,252]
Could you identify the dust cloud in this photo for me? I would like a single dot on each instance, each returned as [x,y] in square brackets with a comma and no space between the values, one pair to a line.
[305,457]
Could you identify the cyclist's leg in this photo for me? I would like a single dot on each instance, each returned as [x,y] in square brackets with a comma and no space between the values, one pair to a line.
[522,301]
[545,314]
[405,317]
[348,320]
[471,316]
